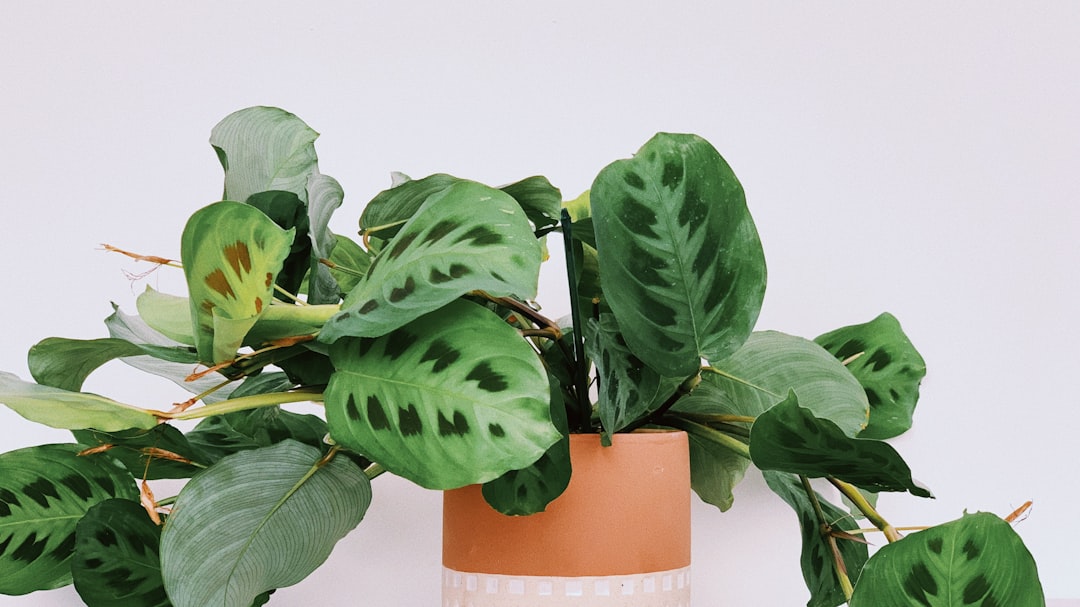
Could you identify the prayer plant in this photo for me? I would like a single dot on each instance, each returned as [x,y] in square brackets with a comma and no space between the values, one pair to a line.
[425,346]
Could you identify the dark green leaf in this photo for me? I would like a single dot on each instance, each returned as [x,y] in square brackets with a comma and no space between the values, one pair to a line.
[116,557]
[351,262]
[818,560]
[680,259]
[148,453]
[530,489]
[976,560]
[714,471]
[256,521]
[455,397]
[629,389]
[466,237]
[44,491]
[289,213]
[390,209]
[66,363]
[792,439]
[889,368]
[540,200]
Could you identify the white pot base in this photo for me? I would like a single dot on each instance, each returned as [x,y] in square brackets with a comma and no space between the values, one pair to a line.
[658,589]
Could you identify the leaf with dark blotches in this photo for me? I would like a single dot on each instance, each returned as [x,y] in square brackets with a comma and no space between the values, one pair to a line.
[232,253]
[888,367]
[116,561]
[976,561]
[453,398]
[680,260]
[44,491]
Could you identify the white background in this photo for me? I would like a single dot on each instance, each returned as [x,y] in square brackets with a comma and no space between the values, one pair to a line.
[921,160]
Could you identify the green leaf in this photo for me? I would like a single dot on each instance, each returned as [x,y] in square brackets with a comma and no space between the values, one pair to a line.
[760,374]
[289,213]
[540,200]
[385,214]
[256,521]
[976,560]
[66,363]
[231,253]
[530,489]
[264,148]
[792,439]
[887,365]
[324,197]
[629,389]
[350,261]
[116,557]
[69,410]
[454,398]
[132,328]
[466,237]
[149,453]
[44,491]
[680,259]
[817,560]
[167,314]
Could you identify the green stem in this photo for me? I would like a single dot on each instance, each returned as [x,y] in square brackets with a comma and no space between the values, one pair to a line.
[826,533]
[852,493]
[739,380]
[712,435]
[373,471]
[244,403]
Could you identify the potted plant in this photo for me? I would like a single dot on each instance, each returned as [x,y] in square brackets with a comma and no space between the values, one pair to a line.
[425,346]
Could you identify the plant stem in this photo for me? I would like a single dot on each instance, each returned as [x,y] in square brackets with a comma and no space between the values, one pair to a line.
[711,435]
[243,403]
[826,533]
[852,493]
[373,471]
[739,380]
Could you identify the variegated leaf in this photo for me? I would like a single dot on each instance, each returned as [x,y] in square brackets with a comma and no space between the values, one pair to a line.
[465,237]
[680,259]
[456,397]
[44,491]
[888,366]
[231,253]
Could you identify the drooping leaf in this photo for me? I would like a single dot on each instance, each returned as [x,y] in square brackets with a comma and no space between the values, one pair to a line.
[976,560]
[790,438]
[530,489]
[66,363]
[160,452]
[385,214]
[324,197]
[818,560]
[264,148]
[69,410]
[169,315]
[629,389]
[116,557]
[454,398]
[887,365]
[715,471]
[231,253]
[680,259]
[256,521]
[44,491]
[540,200]
[465,237]
[770,364]
[133,329]
[289,212]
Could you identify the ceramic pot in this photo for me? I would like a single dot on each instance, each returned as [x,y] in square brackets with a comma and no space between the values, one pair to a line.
[618,536]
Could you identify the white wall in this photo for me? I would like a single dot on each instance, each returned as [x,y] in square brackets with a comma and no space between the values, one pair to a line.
[920,160]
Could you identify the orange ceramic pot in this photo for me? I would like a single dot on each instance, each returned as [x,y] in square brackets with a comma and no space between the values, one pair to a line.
[618,536]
